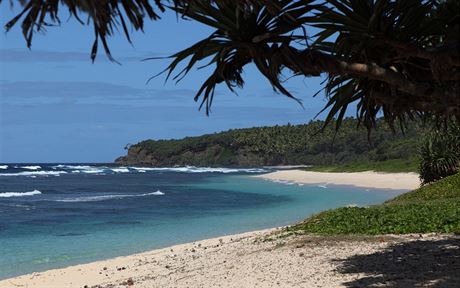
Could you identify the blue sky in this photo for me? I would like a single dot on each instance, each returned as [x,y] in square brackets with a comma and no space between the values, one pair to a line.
[56,106]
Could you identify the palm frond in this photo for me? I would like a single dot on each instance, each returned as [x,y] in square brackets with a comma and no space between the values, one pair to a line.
[105,16]
[399,58]
[250,33]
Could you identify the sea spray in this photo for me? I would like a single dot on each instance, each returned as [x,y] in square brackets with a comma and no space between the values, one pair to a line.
[19,194]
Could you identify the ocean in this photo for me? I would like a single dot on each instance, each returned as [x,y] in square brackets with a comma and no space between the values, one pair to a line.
[56,215]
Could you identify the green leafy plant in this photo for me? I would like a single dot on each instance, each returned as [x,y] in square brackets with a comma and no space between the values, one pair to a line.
[432,208]
[399,59]
[440,154]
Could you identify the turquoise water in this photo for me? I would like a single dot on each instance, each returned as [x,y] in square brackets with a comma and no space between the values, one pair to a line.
[77,217]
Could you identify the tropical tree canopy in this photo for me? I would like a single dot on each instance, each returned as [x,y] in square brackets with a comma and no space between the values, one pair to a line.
[399,58]
[440,154]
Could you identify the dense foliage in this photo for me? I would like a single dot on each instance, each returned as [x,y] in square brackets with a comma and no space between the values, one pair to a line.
[400,58]
[280,145]
[397,58]
[432,208]
[406,164]
[440,154]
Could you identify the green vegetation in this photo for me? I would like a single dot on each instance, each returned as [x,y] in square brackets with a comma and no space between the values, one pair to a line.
[432,208]
[396,59]
[287,145]
[390,166]
[440,153]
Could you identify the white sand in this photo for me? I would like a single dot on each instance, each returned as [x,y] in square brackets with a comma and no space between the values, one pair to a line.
[370,179]
[249,260]
[262,259]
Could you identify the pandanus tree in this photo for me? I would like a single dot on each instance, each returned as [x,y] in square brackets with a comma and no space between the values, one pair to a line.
[440,153]
[396,58]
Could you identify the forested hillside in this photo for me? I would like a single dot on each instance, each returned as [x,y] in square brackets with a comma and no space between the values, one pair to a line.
[280,145]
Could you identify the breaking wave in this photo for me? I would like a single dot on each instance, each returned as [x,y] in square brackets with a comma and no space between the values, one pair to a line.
[78,167]
[56,170]
[89,171]
[19,194]
[120,170]
[192,169]
[109,197]
[31,167]
[81,168]
[35,173]
[157,193]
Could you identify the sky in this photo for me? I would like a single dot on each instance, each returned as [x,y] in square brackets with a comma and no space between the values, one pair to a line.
[57,106]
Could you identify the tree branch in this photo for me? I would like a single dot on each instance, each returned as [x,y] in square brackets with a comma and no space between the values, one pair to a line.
[316,62]
[451,58]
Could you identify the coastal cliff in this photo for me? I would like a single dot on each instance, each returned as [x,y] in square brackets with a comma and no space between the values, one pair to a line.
[278,145]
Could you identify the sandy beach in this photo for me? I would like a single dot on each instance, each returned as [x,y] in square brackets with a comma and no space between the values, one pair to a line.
[271,258]
[370,179]
[276,258]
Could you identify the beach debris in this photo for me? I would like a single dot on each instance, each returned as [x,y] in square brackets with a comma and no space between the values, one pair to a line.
[129,282]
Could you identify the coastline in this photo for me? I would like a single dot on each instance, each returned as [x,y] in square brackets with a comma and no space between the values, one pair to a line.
[118,270]
[265,258]
[367,179]
[240,260]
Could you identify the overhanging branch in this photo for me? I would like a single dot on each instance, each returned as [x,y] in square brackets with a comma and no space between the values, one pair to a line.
[315,62]
[449,56]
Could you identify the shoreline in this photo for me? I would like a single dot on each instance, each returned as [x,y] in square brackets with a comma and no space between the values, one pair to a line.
[367,179]
[264,258]
[87,273]
[229,255]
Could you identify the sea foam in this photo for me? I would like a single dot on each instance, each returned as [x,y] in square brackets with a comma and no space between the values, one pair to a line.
[193,169]
[89,171]
[3,166]
[109,197]
[186,169]
[35,173]
[19,194]
[157,193]
[120,170]
[31,167]
[79,167]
